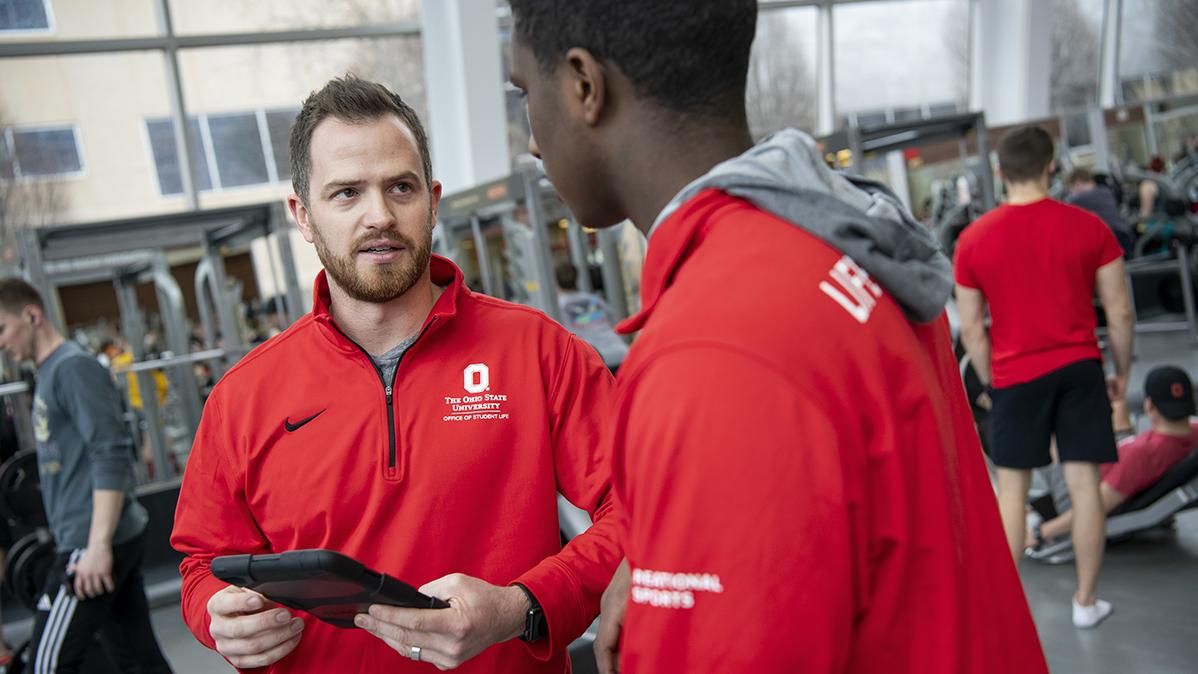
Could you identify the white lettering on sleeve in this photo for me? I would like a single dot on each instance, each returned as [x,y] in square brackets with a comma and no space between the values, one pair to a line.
[853,289]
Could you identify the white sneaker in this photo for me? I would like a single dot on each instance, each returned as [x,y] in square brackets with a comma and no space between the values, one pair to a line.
[1086,617]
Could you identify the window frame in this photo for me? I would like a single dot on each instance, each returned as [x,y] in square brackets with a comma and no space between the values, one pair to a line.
[19,177]
[209,151]
[23,32]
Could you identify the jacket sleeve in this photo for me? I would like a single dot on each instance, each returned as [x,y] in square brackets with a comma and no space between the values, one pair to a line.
[569,584]
[212,517]
[86,391]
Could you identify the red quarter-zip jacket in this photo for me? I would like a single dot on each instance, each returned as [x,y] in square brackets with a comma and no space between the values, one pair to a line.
[804,486]
[494,410]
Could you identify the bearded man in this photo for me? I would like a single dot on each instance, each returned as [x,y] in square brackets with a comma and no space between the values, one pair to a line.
[407,422]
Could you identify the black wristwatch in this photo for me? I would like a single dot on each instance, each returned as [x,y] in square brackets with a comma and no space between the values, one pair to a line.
[535,627]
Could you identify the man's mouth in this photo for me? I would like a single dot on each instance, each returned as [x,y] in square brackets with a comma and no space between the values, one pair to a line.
[381,251]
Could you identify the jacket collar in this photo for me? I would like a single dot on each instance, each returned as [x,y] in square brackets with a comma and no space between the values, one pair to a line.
[673,241]
[442,272]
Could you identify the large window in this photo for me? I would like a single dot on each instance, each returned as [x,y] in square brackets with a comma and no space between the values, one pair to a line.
[1076,52]
[781,86]
[247,16]
[1158,51]
[893,55]
[259,89]
[39,153]
[227,150]
[24,15]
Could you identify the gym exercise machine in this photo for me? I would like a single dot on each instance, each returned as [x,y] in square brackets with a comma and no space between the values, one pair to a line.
[504,235]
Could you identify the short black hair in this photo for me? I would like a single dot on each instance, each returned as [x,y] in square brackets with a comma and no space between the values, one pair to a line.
[17,293]
[689,57]
[1024,154]
[352,100]
[567,276]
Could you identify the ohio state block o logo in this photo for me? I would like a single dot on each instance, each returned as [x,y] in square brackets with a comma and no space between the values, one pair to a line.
[476,378]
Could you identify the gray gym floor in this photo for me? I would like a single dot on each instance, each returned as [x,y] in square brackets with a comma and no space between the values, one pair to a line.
[1152,581]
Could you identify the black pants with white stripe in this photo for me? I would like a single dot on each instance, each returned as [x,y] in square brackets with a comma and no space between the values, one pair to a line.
[66,626]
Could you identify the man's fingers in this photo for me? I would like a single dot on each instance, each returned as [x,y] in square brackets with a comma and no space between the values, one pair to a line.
[401,639]
[109,584]
[414,619]
[383,627]
[261,642]
[236,601]
[267,658]
[246,626]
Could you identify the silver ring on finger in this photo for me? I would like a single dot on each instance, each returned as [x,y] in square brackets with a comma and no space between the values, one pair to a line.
[414,653]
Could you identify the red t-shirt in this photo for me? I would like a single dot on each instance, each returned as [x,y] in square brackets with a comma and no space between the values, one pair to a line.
[1036,266]
[798,469]
[1145,458]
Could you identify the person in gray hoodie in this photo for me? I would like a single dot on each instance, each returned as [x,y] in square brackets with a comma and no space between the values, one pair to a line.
[793,456]
[85,466]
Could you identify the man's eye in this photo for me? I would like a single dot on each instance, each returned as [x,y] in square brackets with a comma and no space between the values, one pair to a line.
[346,193]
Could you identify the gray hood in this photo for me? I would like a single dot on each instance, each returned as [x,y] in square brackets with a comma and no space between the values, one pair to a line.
[786,175]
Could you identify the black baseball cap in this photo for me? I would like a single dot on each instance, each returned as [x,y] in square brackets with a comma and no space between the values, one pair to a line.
[1171,392]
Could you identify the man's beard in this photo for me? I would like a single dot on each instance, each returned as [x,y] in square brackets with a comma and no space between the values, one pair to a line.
[382,282]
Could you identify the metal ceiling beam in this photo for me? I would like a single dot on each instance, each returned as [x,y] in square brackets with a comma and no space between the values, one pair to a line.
[104,46]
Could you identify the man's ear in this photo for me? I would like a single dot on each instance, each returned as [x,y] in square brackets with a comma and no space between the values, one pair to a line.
[588,84]
[434,200]
[299,211]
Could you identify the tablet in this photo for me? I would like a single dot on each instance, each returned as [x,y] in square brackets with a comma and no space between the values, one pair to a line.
[326,584]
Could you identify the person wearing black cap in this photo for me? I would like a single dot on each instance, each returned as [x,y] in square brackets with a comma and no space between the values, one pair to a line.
[1144,458]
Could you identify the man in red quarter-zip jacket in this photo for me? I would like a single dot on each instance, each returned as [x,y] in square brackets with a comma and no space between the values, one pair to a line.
[407,422]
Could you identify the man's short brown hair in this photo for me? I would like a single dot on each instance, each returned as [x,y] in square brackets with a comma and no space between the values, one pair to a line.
[1024,154]
[351,100]
[16,294]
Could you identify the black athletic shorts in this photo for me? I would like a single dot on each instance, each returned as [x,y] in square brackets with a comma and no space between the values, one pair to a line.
[1070,403]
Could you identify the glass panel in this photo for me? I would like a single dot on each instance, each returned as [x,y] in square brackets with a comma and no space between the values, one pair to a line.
[84,19]
[230,84]
[781,87]
[105,99]
[279,123]
[23,15]
[1158,54]
[46,152]
[237,145]
[239,16]
[877,71]
[166,159]
[1076,52]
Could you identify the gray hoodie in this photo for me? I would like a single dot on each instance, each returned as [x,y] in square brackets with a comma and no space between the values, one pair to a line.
[785,175]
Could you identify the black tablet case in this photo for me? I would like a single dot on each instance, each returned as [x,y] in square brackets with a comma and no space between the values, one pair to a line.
[327,584]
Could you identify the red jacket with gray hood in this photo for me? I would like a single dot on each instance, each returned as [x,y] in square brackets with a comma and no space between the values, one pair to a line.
[794,452]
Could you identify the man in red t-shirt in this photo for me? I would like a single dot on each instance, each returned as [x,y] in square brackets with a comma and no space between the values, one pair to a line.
[1143,459]
[1037,263]
[794,460]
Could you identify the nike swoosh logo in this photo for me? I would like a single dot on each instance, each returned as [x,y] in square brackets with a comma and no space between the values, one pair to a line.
[291,428]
